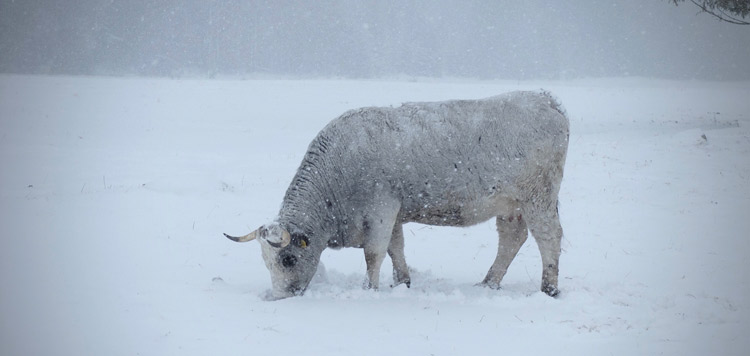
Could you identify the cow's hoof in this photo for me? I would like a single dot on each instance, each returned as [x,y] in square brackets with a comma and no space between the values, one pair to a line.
[490,285]
[400,282]
[551,291]
[367,285]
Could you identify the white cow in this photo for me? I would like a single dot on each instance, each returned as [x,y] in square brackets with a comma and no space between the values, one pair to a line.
[450,163]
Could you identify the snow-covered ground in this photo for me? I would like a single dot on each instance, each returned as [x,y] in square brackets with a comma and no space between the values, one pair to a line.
[114,194]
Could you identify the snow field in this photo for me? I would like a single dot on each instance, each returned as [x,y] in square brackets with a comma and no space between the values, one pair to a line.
[114,194]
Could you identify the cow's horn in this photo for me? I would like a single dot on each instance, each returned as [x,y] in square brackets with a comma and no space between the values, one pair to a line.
[249,237]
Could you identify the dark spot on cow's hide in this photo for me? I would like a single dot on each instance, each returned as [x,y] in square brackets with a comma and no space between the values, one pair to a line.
[443,216]
[366,226]
[511,218]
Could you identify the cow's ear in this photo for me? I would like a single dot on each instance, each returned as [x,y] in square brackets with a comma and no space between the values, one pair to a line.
[301,240]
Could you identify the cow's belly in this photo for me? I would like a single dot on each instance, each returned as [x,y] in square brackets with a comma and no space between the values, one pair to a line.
[458,213]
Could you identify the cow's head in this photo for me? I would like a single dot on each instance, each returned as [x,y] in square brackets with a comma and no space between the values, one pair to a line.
[290,258]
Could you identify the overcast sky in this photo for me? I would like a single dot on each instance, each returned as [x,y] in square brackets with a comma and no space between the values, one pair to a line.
[492,39]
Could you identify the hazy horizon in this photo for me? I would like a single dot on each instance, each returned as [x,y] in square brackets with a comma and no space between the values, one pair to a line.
[474,39]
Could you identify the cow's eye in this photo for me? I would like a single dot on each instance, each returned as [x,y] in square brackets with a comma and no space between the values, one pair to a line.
[288,261]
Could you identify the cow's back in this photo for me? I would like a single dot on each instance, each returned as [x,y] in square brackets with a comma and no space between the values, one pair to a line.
[442,158]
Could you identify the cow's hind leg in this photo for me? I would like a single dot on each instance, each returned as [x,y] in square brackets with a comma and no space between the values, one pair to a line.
[511,228]
[396,251]
[546,229]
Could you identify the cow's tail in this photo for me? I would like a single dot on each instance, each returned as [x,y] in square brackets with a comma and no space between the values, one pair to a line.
[554,103]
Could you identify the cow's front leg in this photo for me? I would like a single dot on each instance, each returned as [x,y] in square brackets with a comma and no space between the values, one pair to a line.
[377,227]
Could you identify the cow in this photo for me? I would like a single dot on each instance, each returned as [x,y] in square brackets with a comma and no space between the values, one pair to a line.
[447,163]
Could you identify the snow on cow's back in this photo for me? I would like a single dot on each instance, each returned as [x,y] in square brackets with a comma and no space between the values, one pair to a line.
[519,115]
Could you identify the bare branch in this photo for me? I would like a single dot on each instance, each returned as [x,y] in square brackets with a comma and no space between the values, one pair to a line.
[718,12]
[733,12]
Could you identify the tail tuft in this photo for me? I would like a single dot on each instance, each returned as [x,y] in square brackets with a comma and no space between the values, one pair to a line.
[554,103]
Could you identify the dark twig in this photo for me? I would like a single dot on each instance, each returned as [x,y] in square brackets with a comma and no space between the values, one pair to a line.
[730,12]
[719,14]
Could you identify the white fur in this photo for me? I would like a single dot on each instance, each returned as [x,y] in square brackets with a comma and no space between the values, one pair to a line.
[453,163]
